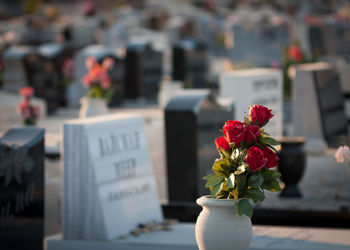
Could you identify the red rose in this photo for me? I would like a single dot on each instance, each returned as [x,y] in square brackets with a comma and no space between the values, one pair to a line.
[255,159]
[252,133]
[272,158]
[259,115]
[234,131]
[221,143]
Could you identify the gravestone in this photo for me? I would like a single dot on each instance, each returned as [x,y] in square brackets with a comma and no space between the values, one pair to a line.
[109,187]
[22,189]
[76,90]
[260,44]
[143,71]
[168,89]
[190,63]
[255,86]
[330,39]
[16,75]
[318,107]
[193,120]
[46,77]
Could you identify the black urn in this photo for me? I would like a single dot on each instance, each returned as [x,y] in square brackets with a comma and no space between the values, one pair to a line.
[292,165]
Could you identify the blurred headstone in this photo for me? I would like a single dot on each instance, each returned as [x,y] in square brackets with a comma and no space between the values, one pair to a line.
[143,70]
[190,63]
[318,107]
[168,89]
[22,189]
[259,45]
[193,120]
[16,75]
[255,86]
[109,186]
[46,77]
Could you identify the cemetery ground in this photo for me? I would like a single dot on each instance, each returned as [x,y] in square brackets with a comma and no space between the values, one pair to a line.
[325,186]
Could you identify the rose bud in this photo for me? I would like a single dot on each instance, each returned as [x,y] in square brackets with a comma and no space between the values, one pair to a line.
[221,143]
[255,159]
[234,131]
[252,133]
[259,115]
[272,157]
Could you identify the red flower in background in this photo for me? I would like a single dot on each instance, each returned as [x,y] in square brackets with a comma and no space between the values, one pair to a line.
[98,74]
[26,92]
[295,53]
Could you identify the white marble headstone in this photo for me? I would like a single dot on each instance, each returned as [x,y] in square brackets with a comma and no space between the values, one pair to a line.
[255,86]
[109,186]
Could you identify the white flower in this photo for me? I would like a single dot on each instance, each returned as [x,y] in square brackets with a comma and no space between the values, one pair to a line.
[342,154]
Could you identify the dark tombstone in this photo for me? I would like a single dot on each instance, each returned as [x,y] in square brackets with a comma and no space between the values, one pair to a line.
[193,121]
[143,71]
[331,106]
[190,63]
[330,39]
[46,76]
[22,189]
[16,60]
[317,92]
[317,41]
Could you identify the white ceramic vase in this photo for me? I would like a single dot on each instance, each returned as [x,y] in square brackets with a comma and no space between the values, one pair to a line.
[92,107]
[218,227]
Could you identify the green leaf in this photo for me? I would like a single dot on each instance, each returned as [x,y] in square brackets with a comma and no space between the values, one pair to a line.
[226,155]
[213,180]
[269,140]
[271,174]
[255,194]
[216,189]
[256,180]
[241,181]
[230,182]
[220,168]
[271,185]
[208,176]
[244,207]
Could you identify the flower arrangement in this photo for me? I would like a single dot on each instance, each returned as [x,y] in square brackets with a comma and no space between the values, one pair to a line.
[29,112]
[97,79]
[248,155]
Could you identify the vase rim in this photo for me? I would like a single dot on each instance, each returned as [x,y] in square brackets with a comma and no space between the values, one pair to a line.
[208,201]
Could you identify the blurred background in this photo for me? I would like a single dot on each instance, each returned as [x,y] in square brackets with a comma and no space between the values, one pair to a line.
[162,47]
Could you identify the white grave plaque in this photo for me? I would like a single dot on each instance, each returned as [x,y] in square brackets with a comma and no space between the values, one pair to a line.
[109,186]
[255,86]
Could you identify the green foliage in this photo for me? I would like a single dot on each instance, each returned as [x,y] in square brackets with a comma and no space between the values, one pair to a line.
[97,92]
[243,206]
[270,180]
